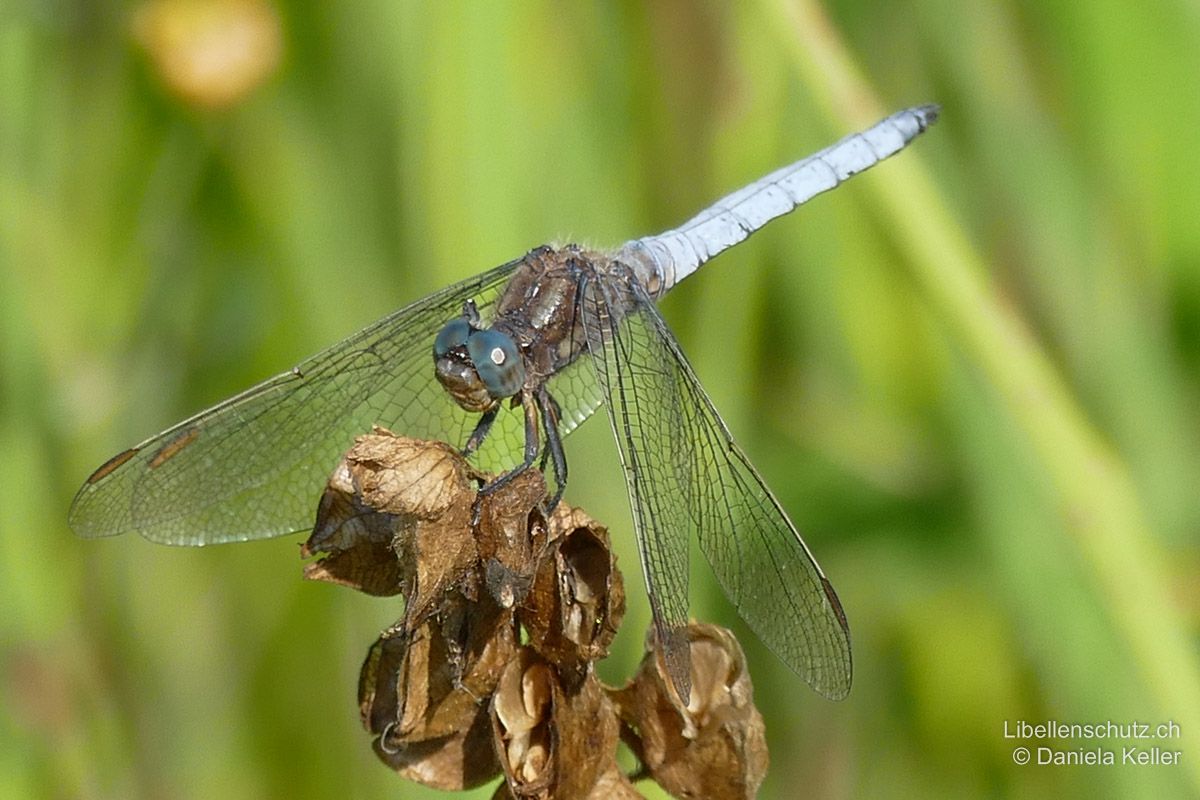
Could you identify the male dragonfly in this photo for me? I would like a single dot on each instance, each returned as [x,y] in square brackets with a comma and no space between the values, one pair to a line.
[556,333]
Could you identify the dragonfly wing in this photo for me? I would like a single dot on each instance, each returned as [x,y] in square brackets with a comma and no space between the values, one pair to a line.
[253,466]
[649,425]
[684,474]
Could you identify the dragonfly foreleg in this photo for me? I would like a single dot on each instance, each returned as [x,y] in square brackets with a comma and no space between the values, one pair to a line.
[532,448]
[481,430]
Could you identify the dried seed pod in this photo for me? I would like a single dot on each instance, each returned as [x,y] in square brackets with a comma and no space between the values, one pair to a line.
[448,693]
[612,785]
[430,682]
[423,695]
[551,742]
[512,536]
[460,761]
[578,599]
[395,518]
[714,746]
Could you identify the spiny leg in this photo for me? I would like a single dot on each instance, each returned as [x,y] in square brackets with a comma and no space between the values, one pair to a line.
[554,449]
[532,447]
[481,430]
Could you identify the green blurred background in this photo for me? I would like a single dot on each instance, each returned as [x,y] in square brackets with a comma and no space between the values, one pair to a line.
[970,375]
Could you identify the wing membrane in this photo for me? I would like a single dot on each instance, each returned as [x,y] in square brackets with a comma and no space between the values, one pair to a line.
[685,474]
[253,466]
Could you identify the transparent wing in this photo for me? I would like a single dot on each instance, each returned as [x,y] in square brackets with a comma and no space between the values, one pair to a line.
[253,466]
[684,474]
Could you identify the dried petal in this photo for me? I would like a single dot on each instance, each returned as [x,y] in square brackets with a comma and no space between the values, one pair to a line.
[357,538]
[396,518]
[715,745]
[412,477]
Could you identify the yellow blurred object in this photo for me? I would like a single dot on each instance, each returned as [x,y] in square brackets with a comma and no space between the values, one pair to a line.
[212,53]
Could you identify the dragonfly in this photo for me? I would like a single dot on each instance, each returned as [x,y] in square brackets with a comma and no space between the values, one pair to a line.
[521,355]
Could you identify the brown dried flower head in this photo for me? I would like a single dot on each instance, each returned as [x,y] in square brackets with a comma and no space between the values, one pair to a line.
[452,696]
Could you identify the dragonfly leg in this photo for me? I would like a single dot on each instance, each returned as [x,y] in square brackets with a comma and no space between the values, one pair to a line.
[481,430]
[532,447]
[554,449]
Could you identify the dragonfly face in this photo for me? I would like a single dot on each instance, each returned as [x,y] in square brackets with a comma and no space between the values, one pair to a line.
[479,367]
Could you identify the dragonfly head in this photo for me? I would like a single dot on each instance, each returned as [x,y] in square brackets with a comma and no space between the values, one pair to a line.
[477,366]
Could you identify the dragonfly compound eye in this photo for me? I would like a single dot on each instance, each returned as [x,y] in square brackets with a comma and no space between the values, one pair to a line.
[497,361]
[453,334]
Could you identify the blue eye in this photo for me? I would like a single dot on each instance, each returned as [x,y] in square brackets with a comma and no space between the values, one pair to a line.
[497,361]
[453,334]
